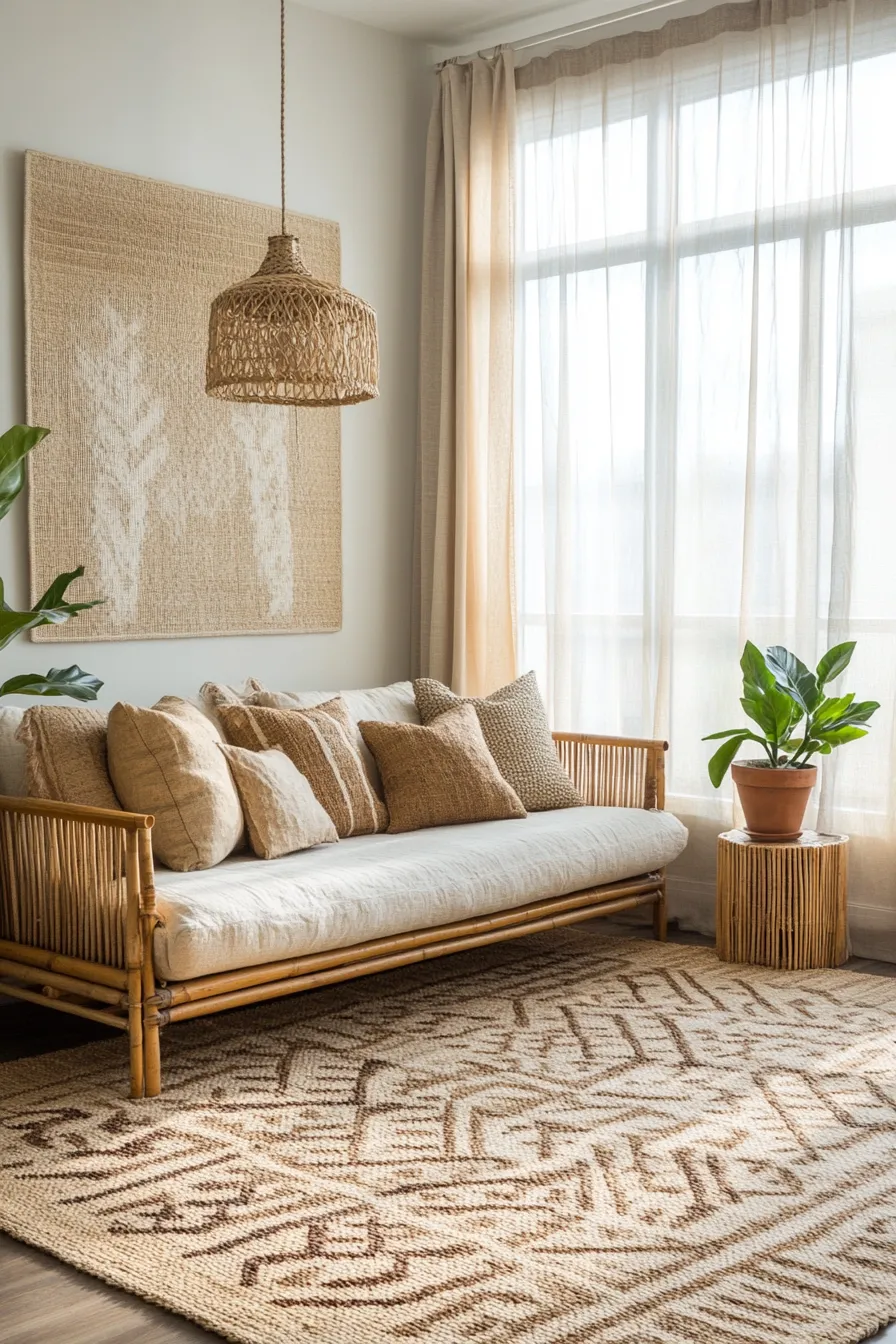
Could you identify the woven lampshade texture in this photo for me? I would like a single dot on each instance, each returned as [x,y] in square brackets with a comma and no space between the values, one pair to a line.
[285,338]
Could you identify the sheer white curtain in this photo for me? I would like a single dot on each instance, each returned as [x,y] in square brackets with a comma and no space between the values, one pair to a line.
[706,393]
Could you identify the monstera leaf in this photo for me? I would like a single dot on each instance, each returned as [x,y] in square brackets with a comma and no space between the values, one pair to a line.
[69,681]
[15,445]
[51,608]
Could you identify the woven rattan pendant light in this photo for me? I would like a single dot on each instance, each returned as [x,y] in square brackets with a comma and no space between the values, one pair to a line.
[284,337]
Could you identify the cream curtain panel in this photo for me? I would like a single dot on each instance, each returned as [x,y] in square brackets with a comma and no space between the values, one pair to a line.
[463,600]
[705,444]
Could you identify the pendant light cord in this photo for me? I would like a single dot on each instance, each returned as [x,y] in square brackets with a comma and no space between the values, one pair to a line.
[283,116]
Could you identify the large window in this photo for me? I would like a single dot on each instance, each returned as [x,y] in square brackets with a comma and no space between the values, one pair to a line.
[707,385]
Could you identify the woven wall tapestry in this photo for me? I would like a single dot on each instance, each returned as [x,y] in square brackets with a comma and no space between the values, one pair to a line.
[192,516]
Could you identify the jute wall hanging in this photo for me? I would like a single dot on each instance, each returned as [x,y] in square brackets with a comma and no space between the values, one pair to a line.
[191,516]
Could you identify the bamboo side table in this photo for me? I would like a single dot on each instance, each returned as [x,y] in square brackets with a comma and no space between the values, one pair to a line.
[782,903]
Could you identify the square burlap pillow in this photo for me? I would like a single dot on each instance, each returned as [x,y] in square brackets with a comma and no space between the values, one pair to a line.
[281,811]
[320,744]
[440,775]
[166,761]
[515,726]
[65,755]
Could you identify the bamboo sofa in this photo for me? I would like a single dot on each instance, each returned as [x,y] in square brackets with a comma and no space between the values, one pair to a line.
[78,911]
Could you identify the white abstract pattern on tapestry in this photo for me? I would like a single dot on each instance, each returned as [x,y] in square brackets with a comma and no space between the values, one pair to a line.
[191,516]
[126,452]
[263,432]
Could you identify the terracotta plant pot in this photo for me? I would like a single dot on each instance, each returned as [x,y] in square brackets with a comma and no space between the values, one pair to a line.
[774,801]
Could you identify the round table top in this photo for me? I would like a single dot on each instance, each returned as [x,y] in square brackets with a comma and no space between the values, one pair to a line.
[808,840]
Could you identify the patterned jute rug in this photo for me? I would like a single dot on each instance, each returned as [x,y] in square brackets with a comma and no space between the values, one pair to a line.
[565,1140]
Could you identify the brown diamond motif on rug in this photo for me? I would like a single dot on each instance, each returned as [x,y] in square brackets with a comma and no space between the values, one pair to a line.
[565,1140]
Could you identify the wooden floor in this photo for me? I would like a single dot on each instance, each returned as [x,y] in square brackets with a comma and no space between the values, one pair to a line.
[43,1300]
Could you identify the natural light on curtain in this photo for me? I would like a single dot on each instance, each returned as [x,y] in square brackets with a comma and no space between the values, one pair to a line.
[706,386]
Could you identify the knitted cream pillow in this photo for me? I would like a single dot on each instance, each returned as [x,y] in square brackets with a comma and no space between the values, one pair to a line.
[320,744]
[65,755]
[166,761]
[439,775]
[281,811]
[515,727]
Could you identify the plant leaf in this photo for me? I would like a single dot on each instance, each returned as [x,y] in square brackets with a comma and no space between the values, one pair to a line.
[55,594]
[846,732]
[774,710]
[719,763]
[728,732]
[52,599]
[71,681]
[15,445]
[831,708]
[833,662]
[859,712]
[756,672]
[14,623]
[756,707]
[793,677]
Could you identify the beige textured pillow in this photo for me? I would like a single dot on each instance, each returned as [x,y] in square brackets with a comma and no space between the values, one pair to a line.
[320,744]
[515,728]
[439,775]
[65,755]
[281,811]
[166,760]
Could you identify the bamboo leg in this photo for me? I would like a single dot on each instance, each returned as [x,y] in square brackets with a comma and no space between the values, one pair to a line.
[134,952]
[152,1062]
[135,1031]
[660,919]
[152,1058]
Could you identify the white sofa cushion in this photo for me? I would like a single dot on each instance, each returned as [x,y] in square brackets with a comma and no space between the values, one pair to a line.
[12,753]
[248,911]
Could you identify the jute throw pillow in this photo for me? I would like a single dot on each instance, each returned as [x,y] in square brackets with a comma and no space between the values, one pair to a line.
[65,755]
[320,744]
[515,728]
[281,811]
[440,775]
[166,761]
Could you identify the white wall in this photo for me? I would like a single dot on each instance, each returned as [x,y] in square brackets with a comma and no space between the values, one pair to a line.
[188,91]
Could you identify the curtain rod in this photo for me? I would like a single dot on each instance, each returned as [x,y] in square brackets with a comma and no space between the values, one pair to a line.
[558,34]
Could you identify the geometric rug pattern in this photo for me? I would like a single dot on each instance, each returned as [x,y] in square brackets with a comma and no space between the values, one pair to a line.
[562,1140]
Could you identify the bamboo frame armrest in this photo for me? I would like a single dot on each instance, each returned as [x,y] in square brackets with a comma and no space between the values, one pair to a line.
[615,771]
[100,816]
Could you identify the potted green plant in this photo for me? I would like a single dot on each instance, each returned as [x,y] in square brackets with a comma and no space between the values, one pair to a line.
[797,721]
[50,609]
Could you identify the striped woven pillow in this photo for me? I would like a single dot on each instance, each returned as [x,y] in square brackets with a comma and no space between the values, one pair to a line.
[321,744]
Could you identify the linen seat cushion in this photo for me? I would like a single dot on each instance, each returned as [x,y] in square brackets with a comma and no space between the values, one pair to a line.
[247,912]
[441,775]
[320,744]
[282,814]
[515,726]
[166,761]
[65,755]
